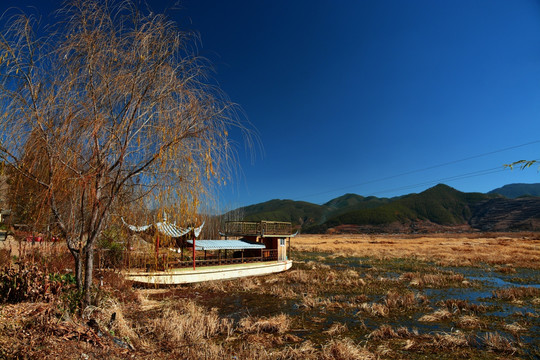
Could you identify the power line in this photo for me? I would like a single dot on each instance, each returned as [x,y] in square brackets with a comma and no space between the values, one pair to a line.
[451,178]
[428,168]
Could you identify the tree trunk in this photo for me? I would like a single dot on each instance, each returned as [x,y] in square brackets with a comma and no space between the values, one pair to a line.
[78,269]
[89,271]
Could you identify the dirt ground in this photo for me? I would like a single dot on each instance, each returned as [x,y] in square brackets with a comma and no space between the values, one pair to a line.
[511,249]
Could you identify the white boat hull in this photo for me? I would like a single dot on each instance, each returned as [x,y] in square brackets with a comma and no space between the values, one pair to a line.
[224,272]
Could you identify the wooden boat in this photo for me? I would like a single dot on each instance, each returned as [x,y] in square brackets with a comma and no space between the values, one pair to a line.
[259,248]
[208,273]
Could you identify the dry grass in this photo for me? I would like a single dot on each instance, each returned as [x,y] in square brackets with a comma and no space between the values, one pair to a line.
[515,328]
[470,322]
[188,324]
[497,342]
[421,280]
[438,315]
[510,250]
[278,324]
[394,302]
[449,341]
[345,349]
[463,306]
[387,332]
[516,293]
[336,329]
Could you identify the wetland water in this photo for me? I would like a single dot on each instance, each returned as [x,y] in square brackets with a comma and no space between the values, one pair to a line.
[422,303]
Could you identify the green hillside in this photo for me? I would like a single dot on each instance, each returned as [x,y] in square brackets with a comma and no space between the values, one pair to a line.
[350,202]
[441,204]
[513,191]
[297,212]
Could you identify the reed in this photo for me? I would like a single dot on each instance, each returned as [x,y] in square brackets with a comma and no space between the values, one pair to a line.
[188,324]
[463,306]
[470,322]
[345,349]
[450,341]
[437,316]
[516,293]
[278,324]
[496,342]
[336,329]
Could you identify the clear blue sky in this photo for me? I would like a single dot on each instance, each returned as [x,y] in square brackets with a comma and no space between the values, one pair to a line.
[349,95]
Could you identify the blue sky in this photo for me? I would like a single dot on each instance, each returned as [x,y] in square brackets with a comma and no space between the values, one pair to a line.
[357,96]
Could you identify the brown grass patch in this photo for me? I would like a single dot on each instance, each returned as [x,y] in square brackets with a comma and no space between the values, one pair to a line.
[345,349]
[438,315]
[336,329]
[508,249]
[499,343]
[278,324]
[516,293]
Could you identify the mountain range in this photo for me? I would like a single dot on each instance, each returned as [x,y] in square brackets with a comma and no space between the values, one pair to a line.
[441,208]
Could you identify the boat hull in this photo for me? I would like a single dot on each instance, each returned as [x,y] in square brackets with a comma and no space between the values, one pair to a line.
[225,272]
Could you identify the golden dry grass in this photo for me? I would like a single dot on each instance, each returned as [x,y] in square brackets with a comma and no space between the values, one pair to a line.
[503,249]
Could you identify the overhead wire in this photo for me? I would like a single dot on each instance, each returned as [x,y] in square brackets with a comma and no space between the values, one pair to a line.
[452,178]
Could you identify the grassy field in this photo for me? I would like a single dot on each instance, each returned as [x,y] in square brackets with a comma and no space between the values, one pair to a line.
[466,296]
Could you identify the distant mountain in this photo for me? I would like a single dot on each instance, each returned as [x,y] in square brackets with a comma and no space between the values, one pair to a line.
[513,191]
[298,212]
[502,214]
[440,205]
[440,208]
[351,202]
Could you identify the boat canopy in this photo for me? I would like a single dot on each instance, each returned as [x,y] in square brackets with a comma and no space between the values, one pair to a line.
[225,245]
[166,228]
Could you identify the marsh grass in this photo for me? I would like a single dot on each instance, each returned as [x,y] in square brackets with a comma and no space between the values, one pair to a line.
[496,342]
[326,307]
[278,324]
[186,323]
[463,306]
[516,293]
[438,280]
[336,329]
[470,322]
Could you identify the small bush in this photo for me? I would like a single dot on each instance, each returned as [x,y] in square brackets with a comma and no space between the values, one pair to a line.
[28,283]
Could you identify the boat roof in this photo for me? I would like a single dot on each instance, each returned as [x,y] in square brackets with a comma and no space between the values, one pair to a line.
[225,245]
[166,228]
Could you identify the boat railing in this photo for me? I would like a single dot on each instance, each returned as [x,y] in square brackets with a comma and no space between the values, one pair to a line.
[165,259]
[260,228]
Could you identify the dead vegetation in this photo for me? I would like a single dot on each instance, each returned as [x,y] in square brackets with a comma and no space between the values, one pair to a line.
[506,250]
[516,293]
[340,312]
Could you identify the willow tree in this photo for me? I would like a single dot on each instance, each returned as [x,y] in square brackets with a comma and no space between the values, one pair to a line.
[113,103]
